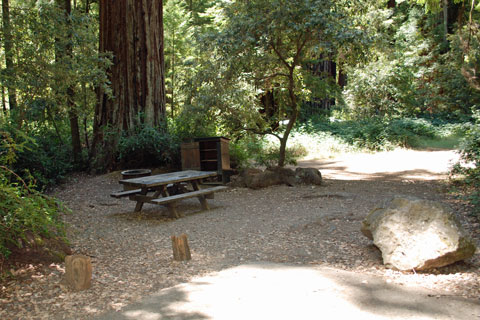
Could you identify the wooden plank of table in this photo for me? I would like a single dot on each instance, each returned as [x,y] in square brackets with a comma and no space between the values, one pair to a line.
[166,178]
[187,195]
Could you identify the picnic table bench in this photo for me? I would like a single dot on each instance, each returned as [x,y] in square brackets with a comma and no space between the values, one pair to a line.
[188,182]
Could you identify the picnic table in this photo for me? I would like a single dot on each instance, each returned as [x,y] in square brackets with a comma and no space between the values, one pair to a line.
[182,185]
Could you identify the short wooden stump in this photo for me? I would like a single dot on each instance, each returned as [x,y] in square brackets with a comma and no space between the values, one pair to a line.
[78,272]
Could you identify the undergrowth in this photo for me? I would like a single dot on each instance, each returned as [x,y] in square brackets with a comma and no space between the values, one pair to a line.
[380,134]
[26,215]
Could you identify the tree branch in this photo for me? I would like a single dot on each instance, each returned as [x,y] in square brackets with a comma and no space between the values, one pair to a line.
[300,47]
[278,74]
[279,54]
[260,132]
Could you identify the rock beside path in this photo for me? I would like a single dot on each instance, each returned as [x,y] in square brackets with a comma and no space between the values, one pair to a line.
[417,234]
[257,179]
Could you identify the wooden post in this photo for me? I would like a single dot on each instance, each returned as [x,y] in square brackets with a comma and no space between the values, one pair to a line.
[181,250]
[78,272]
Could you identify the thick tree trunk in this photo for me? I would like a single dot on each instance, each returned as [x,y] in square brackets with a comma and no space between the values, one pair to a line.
[133,31]
[8,47]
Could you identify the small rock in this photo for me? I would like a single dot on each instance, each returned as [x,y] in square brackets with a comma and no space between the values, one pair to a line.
[308,176]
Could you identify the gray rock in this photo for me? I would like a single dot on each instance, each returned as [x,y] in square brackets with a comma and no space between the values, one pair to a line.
[262,180]
[308,176]
[417,234]
[285,175]
[256,179]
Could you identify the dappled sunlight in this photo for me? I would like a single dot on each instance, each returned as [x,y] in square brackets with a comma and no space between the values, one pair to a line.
[397,164]
[273,291]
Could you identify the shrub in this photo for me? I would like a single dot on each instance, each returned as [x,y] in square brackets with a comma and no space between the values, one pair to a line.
[470,162]
[251,150]
[378,133]
[24,211]
[148,146]
[46,159]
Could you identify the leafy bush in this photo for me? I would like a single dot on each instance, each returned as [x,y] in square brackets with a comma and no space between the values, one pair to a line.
[378,133]
[39,155]
[148,146]
[262,152]
[269,155]
[470,162]
[46,159]
[24,212]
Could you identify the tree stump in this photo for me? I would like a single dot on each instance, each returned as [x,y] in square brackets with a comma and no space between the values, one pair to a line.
[78,272]
[181,250]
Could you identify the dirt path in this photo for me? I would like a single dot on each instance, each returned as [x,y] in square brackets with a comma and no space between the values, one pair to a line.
[305,225]
[399,164]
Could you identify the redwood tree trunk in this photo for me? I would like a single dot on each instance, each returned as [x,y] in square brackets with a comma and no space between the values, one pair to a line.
[132,30]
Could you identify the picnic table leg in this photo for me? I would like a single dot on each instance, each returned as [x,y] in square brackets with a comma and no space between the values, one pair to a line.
[172,208]
[202,199]
[139,205]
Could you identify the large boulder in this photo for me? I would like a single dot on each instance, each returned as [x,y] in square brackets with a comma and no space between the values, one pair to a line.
[417,234]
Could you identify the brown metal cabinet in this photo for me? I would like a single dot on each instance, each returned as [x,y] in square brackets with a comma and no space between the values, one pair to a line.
[207,154]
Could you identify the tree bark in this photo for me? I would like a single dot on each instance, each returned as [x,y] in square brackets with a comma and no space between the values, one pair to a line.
[292,118]
[133,32]
[8,47]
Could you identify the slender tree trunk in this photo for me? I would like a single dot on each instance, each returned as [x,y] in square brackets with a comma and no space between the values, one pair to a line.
[291,121]
[4,102]
[445,19]
[173,74]
[133,31]
[66,6]
[72,113]
[8,47]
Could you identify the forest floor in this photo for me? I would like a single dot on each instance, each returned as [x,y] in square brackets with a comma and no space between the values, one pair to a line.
[303,225]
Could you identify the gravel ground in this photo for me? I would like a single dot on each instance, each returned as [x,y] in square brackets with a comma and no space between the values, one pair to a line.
[132,255]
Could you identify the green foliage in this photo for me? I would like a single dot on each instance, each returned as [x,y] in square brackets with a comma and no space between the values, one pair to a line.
[469,166]
[268,46]
[146,146]
[40,155]
[250,150]
[56,68]
[47,160]
[268,155]
[24,212]
[379,133]
[410,71]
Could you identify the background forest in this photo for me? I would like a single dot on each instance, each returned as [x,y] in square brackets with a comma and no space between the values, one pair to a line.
[277,77]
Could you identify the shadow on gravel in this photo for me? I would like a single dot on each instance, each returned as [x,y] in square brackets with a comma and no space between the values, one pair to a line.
[375,296]
[158,306]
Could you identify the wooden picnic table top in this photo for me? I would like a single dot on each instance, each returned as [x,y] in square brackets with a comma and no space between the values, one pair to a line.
[167,178]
